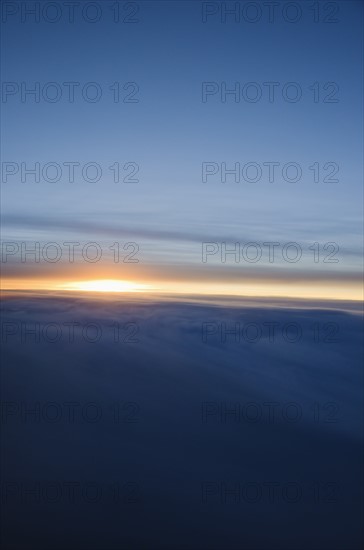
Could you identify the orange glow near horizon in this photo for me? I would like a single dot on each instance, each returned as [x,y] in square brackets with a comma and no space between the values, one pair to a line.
[104,285]
[324,290]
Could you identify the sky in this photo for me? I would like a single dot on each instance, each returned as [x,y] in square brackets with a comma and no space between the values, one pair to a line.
[189,242]
[173,135]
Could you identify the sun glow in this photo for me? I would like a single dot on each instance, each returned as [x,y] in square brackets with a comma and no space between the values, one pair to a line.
[152,288]
[105,285]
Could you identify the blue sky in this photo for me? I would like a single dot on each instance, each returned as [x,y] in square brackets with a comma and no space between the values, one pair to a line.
[170,132]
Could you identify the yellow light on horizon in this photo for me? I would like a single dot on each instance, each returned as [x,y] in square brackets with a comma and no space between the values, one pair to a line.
[104,285]
[249,289]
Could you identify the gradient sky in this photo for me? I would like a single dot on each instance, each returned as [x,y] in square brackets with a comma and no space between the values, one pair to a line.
[170,132]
